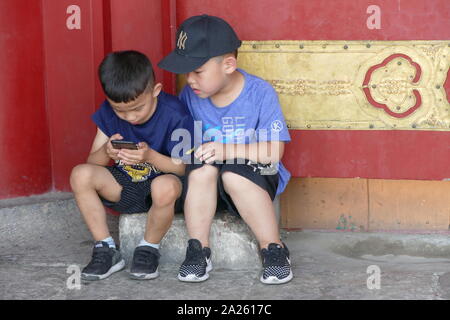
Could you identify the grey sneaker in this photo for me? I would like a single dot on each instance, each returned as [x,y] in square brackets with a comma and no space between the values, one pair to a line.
[105,261]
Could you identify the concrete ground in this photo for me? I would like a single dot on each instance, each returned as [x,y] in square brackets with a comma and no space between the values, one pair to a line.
[43,242]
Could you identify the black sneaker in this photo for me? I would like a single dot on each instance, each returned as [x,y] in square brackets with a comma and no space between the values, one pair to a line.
[276,263]
[145,263]
[105,261]
[197,264]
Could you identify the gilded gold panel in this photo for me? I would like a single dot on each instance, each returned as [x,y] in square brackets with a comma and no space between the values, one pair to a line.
[355,84]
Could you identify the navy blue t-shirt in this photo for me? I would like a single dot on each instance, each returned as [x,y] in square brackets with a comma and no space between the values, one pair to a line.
[169,131]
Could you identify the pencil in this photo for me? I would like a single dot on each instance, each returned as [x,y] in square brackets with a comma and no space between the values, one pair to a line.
[190,151]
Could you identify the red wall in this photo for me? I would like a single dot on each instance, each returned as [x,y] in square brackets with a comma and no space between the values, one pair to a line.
[51,73]
[146,26]
[25,163]
[326,19]
[49,86]
[346,154]
[71,59]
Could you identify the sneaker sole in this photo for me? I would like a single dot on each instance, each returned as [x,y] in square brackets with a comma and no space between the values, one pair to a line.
[275,280]
[144,276]
[93,277]
[194,278]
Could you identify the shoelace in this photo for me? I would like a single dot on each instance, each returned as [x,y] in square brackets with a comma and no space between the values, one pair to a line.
[194,256]
[274,257]
[144,257]
[99,256]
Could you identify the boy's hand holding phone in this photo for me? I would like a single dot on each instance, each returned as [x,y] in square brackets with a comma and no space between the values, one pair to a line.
[126,151]
[132,157]
[110,150]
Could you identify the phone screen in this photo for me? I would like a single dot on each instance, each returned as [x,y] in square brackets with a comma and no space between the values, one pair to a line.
[121,144]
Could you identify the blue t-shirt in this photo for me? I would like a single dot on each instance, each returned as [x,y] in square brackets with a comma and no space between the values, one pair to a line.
[254,116]
[159,132]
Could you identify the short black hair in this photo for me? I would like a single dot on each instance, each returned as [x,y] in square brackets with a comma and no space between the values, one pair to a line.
[221,57]
[125,75]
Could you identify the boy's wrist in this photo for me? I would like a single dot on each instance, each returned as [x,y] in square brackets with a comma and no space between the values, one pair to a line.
[104,151]
[232,151]
[150,155]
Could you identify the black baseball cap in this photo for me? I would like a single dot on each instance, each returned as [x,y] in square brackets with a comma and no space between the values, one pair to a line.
[200,38]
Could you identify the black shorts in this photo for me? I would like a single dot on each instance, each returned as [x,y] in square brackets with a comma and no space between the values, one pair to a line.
[263,175]
[135,196]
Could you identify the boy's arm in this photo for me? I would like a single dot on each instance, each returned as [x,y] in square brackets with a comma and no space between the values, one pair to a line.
[100,154]
[263,152]
[166,164]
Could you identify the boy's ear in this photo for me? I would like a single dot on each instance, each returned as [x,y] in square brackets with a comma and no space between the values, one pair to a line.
[229,63]
[156,89]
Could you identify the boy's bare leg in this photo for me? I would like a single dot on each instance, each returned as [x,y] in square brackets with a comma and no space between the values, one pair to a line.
[87,182]
[254,206]
[201,202]
[165,190]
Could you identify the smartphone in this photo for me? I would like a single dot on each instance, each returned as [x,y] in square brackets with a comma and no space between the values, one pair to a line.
[122,144]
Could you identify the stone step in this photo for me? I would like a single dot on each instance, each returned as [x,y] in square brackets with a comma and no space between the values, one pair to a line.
[233,245]
[47,220]
[53,221]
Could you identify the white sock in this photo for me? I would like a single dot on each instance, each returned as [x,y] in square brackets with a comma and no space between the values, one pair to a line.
[110,242]
[148,244]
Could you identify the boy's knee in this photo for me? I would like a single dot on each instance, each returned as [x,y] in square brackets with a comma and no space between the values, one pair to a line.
[165,191]
[204,174]
[80,175]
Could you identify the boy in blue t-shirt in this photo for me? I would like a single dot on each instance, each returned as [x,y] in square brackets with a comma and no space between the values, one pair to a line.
[141,180]
[243,141]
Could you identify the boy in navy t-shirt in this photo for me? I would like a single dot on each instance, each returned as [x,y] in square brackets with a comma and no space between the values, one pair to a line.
[141,180]
[243,141]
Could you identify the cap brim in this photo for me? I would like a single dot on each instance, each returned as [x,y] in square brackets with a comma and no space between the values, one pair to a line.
[178,63]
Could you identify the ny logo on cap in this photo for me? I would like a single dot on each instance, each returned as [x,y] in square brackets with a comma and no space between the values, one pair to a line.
[182,40]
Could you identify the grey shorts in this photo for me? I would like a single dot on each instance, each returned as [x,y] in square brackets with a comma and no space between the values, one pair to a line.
[135,196]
